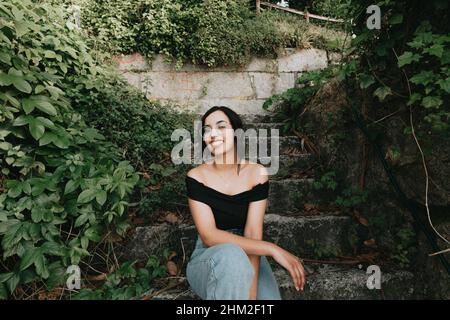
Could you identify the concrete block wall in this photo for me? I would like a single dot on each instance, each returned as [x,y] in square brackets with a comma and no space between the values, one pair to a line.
[197,88]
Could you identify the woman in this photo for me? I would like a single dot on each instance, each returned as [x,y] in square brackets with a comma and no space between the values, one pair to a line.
[227,199]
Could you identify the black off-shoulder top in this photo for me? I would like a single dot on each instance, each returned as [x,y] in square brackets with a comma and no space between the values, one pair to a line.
[230,211]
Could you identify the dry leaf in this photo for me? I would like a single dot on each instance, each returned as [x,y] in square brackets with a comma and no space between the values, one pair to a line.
[99,277]
[360,218]
[172,255]
[310,206]
[171,218]
[146,175]
[172,268]
[370,242]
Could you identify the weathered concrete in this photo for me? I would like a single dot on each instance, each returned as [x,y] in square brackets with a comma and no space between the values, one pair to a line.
[330,283]
[197,88]
[300,235]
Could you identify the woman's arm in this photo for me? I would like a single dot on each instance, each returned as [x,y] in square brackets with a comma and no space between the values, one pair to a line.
[254,230]
[210,235]
[206,227]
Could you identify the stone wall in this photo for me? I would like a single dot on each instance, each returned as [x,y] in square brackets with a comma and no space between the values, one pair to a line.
[244,89]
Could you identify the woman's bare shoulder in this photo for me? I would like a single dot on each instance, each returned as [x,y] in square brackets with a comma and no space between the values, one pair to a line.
[197,173]
[257,172]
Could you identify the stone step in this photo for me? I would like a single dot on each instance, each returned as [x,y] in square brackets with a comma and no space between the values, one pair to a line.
[313,236]
[289,166]
[328,282]
[290,196]
[316,236]
[339,283]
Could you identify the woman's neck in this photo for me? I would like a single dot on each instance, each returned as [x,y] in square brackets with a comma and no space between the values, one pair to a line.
[226,161]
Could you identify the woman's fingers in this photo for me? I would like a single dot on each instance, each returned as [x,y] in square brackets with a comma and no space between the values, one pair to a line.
[302,274]
[299,277]
[294,276]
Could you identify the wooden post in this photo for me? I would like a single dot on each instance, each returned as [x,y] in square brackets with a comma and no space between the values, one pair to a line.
[306,15]
[258,7]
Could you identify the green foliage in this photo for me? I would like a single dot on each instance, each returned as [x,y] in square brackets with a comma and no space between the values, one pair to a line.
[405,247]
[352,197]
[128,282]
[326,181]
[290,105]
[211,32]
[64,185]
[406,61]
[321,251]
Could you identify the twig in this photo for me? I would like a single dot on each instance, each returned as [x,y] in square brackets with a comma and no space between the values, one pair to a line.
[439,252]
[423,163]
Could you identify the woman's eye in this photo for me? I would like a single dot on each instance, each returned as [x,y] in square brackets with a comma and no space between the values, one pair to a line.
[222,127]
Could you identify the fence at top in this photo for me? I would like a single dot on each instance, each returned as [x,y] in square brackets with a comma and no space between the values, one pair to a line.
[305,13]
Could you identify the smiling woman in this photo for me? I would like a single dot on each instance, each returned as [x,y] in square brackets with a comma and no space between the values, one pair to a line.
[228,199]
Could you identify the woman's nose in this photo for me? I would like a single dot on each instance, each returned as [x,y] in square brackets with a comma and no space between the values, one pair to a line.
[215,132]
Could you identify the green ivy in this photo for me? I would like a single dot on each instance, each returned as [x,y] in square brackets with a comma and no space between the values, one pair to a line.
[63,185]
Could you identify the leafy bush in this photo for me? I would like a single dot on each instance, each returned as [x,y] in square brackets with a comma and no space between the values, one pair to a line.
[63,185]
[210,32]
[142,131]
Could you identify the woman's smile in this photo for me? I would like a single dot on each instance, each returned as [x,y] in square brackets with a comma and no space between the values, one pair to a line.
[217,143]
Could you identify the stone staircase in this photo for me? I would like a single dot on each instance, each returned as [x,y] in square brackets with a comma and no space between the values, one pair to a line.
[305,233]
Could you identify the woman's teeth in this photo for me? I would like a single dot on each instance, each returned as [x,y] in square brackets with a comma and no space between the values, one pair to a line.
[216,143]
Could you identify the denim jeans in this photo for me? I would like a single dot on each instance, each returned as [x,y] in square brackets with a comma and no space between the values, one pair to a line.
[224,272]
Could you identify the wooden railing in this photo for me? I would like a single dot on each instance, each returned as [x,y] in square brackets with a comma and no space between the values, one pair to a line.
[305,13]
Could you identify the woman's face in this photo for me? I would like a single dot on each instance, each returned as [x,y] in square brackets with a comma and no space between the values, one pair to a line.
[218,134]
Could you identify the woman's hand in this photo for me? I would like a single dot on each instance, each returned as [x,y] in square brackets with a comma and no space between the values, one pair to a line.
[292,264]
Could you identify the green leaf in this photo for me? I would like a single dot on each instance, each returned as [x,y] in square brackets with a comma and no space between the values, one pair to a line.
[29,258]
[46,107]
[13,282]
[87,195]
[84,242]
[5,57]
[5,146]
[36,128]
[366,81]
[14,188]
[423,78]
[382,92]
[5,79]
[81,220]
[431,102]
[27,105]
[101,197]
[445,84]
[21,28]
[50,54]
[21,120]
[37,214]
[41,268]
[396,19]
[47,138]
[71,186]
[407,58]
[22,85]
[435,50]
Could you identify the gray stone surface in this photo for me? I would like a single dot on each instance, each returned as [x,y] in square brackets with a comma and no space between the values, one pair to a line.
[329,282]
[291,233]
[197,88]
[303,60]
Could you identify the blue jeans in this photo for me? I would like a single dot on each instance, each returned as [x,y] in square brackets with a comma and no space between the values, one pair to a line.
[224,272]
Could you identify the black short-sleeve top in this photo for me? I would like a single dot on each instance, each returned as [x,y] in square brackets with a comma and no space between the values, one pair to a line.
[230,211]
